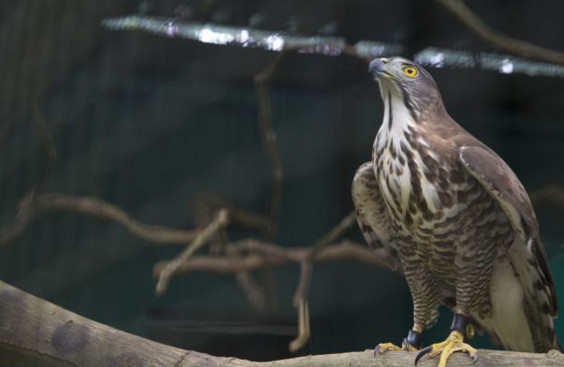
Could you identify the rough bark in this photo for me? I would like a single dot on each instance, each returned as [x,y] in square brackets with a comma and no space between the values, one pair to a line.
[37,332]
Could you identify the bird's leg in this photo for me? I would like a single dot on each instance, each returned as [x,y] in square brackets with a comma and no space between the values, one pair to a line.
[422,292]
[472,293]
[459,329]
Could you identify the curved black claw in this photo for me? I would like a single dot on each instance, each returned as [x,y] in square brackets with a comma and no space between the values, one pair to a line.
[422,353]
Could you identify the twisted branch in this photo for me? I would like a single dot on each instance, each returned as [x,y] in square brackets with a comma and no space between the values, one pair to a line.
[301,295]
[32,205]
[268,135]
[266,254]
[513,45]
[171,267]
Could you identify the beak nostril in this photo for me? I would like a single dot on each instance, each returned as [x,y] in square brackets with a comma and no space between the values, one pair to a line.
[385,60]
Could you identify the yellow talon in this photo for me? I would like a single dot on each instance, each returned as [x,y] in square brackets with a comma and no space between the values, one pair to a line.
[386,347]
[454,343]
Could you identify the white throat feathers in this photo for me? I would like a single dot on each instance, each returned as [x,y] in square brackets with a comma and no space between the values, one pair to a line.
[394,155]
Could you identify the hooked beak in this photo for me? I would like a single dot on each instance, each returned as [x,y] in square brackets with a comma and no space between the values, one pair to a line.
[379,68]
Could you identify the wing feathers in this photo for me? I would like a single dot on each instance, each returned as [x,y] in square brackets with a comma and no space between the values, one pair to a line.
[504,186]
[527,254]
[371,214]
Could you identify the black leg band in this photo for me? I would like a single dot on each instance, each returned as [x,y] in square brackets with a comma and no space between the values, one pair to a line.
[459,323]
[413,338]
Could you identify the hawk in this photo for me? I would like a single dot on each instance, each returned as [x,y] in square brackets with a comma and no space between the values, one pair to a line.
[452,215]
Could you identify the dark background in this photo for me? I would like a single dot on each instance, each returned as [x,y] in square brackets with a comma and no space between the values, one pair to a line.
[147,123]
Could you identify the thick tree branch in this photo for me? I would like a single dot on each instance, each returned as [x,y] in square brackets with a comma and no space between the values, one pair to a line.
[515,46]
[37,332]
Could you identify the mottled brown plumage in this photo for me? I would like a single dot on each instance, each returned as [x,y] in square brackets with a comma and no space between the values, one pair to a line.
[453,217]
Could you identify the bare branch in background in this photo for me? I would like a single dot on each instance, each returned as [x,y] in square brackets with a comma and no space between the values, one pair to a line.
[302,305]
[552,194]
[35,204]
[264,254]
[26,211]
[171,267]
[25,214]
[513,45]
[338,231]
[264,283]
[268,135]
[304,329]
[301,296]
[208,204]
[254,292]
[241,257]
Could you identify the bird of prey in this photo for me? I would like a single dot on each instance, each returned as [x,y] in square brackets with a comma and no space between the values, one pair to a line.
[452,215]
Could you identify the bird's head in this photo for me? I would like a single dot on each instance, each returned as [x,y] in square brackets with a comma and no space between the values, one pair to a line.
[406,80]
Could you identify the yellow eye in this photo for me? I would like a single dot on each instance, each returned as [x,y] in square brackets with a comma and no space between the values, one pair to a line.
[409,70]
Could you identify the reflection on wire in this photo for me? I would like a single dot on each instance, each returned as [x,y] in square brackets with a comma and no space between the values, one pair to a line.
[505,64]
[222,35]
[329,46]
[247,37]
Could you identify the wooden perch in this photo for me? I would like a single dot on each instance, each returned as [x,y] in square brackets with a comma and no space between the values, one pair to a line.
[37,332]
